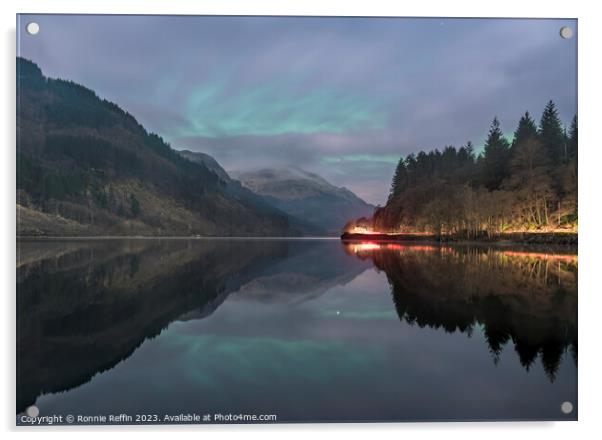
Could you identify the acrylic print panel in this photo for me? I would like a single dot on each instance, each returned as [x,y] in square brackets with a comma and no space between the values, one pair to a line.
[295,219]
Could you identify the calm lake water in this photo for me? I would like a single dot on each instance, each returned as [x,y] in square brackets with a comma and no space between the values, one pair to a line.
[307,330]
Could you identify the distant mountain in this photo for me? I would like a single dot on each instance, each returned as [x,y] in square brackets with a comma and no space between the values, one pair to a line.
[235,188]
[87,167]
[306,195]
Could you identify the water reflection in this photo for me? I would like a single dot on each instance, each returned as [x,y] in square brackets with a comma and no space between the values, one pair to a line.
[524,296]
[304,329]
[83,306]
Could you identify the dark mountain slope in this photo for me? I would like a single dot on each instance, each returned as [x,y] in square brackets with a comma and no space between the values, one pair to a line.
[208,161]
[86,167]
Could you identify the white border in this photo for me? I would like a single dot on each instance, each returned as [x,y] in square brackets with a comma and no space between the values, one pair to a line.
[590,158]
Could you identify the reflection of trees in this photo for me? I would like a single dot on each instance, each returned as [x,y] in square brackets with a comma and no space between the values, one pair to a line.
[525,298]
[91,305]
[83,306]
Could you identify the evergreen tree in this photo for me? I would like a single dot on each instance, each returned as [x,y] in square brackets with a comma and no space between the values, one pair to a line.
[412,168]
[496,157]
[469,148]
[572,141]
[527,150]
[400,178]
[551,134]
[526,130]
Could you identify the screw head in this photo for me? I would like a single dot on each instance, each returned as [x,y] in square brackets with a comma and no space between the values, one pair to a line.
[566,32]
[32,411]
[32,28]
[566,407]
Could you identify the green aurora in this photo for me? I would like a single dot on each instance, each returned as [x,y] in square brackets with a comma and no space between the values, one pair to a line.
[279,107]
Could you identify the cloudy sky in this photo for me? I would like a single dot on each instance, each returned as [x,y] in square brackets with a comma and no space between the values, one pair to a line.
[342,97]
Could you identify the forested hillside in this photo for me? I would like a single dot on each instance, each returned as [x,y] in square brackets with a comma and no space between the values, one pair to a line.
[526,184]
[86,167]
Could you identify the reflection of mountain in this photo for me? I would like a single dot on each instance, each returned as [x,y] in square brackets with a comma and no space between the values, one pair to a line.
[527,298]
[83,306]
[84,311]
[308,196]
[307,273]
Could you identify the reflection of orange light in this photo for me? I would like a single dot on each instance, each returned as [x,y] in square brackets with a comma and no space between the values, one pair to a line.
[367,247]
[359,247]
[522,254]
[425,248]
[421,248]
[373,246]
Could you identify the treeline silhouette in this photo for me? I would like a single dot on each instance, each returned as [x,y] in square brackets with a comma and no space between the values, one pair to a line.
[525,301]
[529,183]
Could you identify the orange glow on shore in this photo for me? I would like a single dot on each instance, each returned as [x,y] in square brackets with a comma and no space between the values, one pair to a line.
[541,255]
[361,230]
[365,231]
[543,231]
